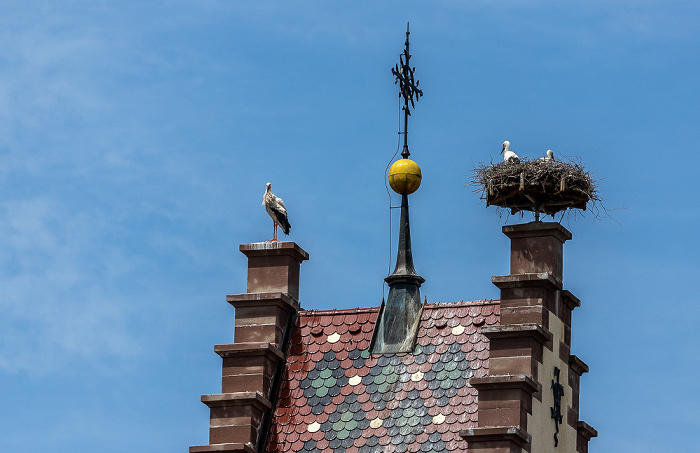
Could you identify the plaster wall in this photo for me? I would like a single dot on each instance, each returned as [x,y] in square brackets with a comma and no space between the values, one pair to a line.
[541,424]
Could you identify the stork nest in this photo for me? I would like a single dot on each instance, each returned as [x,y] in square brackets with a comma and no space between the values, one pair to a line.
[539,186]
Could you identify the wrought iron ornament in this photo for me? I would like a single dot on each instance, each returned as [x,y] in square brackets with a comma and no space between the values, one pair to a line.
[408,88]
[558,392]
[397,324]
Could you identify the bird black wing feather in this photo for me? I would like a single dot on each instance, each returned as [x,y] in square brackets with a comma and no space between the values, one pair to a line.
[281,219]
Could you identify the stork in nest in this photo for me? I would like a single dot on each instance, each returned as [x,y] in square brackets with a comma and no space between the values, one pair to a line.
[275,207]
[548,157]
[508,155]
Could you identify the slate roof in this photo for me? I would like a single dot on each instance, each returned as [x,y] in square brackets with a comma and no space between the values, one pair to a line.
[336,397]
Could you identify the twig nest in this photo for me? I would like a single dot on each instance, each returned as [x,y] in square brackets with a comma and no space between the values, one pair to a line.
[540,186]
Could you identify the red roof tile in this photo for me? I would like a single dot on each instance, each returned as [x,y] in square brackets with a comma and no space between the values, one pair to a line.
[335,396]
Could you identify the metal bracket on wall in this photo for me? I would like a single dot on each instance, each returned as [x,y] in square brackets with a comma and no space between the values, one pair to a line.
[558,392]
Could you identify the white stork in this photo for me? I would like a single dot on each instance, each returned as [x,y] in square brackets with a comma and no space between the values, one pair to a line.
[548,158]
[508,155]
[275,207]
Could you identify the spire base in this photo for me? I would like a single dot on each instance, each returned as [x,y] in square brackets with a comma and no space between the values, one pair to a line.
[398,321]
[396,330]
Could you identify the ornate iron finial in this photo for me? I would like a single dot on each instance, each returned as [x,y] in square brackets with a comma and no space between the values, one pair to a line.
[397,324]
[408,88]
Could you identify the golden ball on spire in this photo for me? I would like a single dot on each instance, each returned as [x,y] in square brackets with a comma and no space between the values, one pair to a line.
[405,176]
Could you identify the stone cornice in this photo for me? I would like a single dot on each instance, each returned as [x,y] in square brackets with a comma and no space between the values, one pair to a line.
[535,331]
[527,281]
[254,399]
[496,434]
[282,300]
[507,381]
[248,349]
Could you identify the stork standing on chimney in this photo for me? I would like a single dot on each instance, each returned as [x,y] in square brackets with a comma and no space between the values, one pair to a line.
[275,207]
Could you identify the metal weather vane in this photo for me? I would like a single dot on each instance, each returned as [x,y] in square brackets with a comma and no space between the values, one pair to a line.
[408,88]
[396,329]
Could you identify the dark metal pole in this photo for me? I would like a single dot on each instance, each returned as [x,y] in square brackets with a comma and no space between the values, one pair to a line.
[405,70]
[408,88]
[404,257]
[404,152]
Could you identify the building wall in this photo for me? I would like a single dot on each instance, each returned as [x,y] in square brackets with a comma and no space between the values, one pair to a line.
[540,423]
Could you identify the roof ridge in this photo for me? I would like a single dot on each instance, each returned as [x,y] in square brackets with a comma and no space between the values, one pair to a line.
[429,306]
[463,303]
[337,311]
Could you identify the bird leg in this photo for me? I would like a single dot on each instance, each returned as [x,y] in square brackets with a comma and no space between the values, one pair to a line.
[274,235]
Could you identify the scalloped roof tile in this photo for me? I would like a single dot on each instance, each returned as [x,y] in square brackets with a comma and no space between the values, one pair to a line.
[335,396]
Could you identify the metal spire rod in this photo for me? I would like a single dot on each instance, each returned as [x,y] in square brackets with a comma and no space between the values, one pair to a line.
[398,321]
[408,88]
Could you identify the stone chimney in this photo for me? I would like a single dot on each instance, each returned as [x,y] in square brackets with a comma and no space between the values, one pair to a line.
[529,400]
[252,365]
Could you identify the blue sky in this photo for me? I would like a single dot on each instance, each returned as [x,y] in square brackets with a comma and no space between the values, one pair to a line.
[136,139]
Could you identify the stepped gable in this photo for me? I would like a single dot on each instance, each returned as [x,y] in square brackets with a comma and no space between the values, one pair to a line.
[335,396]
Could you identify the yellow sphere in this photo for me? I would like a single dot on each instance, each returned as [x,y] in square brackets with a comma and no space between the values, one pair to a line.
[405,176]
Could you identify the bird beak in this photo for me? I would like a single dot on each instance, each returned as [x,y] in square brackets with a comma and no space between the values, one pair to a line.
[503,149]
